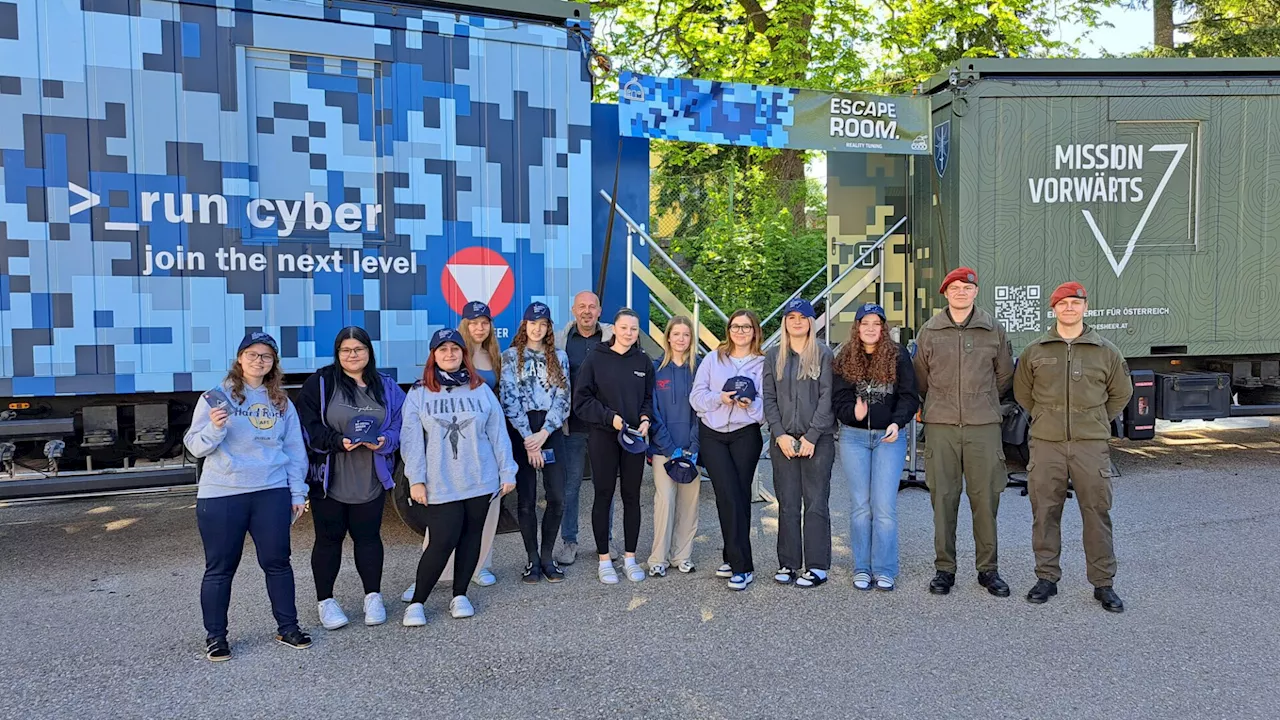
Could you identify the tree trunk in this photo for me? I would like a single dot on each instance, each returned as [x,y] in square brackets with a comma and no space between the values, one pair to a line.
[787,169]
[1163,12]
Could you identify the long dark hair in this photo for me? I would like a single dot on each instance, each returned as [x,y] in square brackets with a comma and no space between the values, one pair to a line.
[855,365]
[555,373]
[372,380]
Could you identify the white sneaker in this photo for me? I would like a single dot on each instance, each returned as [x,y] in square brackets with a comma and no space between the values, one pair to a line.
[375,611]
[460,607]
[484,578]
[408,594]
[414,616]
[740,581]
[608,575]
[331,615]
[724,571]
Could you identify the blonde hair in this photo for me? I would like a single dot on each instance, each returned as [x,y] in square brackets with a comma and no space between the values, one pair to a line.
[689,362]
[810,365]
[489,346]
[726,346]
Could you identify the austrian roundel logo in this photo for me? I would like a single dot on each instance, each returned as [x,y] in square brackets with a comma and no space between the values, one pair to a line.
[478,274]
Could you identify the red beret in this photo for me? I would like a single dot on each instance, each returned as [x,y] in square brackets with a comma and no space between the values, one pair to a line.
[1066,290]
[960,274]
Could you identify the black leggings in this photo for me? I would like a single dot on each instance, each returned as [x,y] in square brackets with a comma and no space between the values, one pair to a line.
[607,459]
[333,520]
[730,459]
[553,478]
[452,527]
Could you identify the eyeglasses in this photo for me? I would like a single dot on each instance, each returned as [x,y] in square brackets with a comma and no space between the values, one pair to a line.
[741,328]
[259,357]
[352,352]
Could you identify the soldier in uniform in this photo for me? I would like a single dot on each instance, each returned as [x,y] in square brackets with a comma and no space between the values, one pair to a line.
[963,365]
[1072,382]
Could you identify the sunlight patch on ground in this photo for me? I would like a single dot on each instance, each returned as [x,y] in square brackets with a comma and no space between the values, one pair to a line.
[636,602]
[99,510]
[120,524]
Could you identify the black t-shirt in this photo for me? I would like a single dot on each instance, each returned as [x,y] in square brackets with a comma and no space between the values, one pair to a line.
[577,347]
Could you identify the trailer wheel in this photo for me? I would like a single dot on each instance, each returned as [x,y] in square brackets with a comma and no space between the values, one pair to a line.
[413,516]
[1259,396]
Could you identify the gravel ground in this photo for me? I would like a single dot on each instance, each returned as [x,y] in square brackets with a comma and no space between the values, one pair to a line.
[101,619]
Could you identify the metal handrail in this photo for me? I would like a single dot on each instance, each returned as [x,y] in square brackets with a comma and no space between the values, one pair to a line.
[795,294]
[660,306]
[653,247]
[840,278]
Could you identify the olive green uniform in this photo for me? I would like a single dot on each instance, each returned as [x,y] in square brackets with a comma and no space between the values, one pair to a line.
[1072,389]
[962,370]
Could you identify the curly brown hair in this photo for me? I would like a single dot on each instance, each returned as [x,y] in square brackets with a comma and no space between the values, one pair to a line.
[880,367]
[273,382]
[555,373]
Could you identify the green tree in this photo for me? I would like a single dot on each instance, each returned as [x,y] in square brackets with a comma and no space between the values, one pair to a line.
[750,228]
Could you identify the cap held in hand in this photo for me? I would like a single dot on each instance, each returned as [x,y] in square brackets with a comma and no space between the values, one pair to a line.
[216,398]
[363,429]
[742,387]
[632,441]
[681,470]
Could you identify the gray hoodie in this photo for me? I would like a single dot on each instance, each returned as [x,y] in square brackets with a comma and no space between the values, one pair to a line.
[258,448]
[455,442]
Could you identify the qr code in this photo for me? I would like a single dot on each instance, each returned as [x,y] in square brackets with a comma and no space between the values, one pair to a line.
[1018,307]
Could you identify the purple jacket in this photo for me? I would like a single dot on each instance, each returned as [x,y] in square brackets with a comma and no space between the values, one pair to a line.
[709,382]
[322,441]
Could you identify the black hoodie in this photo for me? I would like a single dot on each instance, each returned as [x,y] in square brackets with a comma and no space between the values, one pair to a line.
[610,384]
[895,404]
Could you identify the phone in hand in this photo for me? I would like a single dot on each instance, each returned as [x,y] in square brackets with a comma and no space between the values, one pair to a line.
[548,455]
[795,446]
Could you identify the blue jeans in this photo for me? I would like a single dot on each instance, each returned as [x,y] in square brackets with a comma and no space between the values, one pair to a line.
[223,522]
[873,469]
[575,450]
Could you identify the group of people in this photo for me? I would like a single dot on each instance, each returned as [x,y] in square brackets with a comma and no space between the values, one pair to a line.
[481,423]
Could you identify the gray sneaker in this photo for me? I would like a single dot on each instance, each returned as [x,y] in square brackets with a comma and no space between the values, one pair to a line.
[567,553]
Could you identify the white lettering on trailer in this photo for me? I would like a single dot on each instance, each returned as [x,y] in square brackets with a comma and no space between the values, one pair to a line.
[1101,187]
[263,214]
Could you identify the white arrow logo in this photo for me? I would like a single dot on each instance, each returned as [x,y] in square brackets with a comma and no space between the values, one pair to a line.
[1179,149]
[90,199]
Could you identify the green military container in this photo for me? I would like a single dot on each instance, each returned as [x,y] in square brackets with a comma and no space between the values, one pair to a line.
[1155,183]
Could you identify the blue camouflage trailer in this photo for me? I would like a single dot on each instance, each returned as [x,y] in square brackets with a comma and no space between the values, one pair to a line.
[177,172]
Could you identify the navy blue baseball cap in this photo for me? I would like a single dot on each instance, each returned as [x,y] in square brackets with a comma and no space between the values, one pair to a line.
[681,470]
[476,309]
[633,444]
[870,309]
[216,398]
[742,387]
[255,337]
[362,429]
[537,311]
[800,305]
[445,335]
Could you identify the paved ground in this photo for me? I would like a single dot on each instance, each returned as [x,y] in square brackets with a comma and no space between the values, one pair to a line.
[99,600]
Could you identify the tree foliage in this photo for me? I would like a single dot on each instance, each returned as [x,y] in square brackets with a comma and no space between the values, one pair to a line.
[747,231]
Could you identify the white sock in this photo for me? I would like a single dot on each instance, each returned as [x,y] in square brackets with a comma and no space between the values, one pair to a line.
[606,563]
[822,574]
[630,562]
